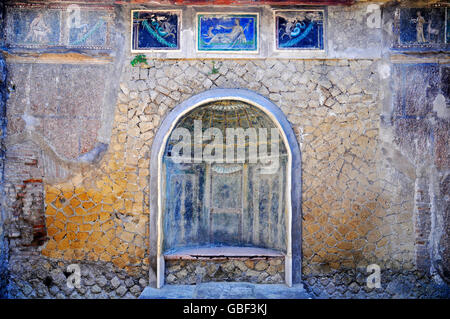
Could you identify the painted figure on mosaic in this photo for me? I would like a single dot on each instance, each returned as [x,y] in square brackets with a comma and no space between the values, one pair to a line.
[421,28]
[237,34]
[227,32]
[155,30]
[299,29]
[34,28]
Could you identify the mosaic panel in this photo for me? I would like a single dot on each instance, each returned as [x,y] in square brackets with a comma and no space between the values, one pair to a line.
[90,30]
[156,30]
[299,30]
[421,28]
[34,28]
[227,32]
[71,26]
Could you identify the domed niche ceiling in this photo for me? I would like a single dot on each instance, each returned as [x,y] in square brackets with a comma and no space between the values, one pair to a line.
[224,180]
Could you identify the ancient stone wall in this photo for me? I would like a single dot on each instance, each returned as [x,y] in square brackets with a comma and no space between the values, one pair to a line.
[374,160]
[334,128]
[256,270]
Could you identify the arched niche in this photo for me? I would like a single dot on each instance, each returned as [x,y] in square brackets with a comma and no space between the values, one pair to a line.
[199,224]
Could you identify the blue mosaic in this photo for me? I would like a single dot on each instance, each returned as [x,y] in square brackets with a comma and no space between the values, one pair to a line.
[34,28]
[46,28]
[448,26]
[299,30]
[227,32]
[90,31]
[156,30]
[421,28]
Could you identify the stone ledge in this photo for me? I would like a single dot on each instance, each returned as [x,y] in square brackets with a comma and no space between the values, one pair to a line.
[221,253]
[57,58]
[226,290]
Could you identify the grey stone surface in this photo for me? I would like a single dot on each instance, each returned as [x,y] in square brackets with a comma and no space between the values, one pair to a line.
[226,290]
[121,291]
[115,282]
[55,284]
[352,284]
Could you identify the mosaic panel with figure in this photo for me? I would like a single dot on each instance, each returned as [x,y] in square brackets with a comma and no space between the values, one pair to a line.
[90,30]
[421,28]
[156,30]
[227,32]
[34,28]
[299,30]
[71,26]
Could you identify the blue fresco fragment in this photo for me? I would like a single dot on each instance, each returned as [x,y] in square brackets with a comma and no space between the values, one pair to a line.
[227,32]
[156,30]
[299,30]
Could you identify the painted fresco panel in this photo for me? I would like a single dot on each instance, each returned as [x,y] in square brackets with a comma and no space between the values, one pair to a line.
[181,221]
[299,30]
[226,190]
[226,207]
[156,30]
[227,32]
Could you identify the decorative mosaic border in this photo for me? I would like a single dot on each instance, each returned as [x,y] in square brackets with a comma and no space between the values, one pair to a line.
[298,31]
[228,16]
[135,33]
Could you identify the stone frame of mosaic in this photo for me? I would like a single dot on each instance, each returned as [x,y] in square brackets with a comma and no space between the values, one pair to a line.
[58,27]
[135,43]
[425,36]
[321,36]
[198,27]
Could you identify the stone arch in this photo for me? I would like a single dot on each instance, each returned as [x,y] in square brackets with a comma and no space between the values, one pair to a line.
[294,231]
